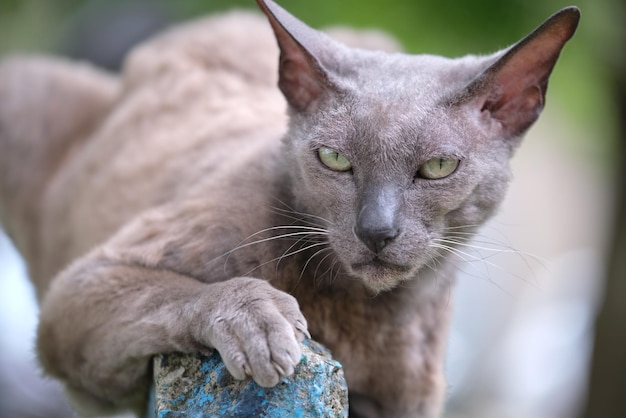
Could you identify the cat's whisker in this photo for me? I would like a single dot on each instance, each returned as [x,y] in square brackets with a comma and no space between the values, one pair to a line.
[287,251]
[451,250]
[301,215]
[494,246]
[311,259]
[467,257]
[468,226]
[506,249]
[494,230]
[462,255]
[300,228]
[310,232]
[478,247]
[296,217]
[331,278]
[470,237]
[307,231]
[289,254]
[317,279]
[304,267]
[477,238]
[285,255]
[435,262]
[319,263]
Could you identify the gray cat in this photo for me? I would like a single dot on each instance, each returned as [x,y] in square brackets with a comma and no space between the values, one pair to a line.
[178,208]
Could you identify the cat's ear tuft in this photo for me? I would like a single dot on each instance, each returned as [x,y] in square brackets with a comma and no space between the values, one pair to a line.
[513,88]
[302,78]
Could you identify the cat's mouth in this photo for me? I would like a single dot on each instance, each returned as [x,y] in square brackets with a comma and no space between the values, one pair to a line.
[380,275]
[377,262]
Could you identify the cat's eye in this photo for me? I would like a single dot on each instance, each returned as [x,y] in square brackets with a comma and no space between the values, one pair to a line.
[333,159]
[438,168]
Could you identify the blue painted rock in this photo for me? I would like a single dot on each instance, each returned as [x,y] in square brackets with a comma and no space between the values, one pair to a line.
[195,385]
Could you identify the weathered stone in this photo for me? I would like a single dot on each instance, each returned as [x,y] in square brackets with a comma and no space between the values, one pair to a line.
[196,385]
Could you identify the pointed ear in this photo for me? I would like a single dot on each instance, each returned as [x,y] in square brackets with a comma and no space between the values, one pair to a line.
[302,79]
[512,90]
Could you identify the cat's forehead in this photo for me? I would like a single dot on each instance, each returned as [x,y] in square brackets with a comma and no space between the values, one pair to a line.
[396,80]
[394,106]
[390,136]
[405,95]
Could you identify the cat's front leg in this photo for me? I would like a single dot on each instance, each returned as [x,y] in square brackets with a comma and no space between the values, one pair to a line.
[102,321]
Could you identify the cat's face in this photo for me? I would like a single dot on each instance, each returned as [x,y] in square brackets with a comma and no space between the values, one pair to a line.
[397,152]
[392,168]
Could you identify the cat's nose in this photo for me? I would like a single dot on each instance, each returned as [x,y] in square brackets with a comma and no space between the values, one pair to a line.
[377,220]
[376,239]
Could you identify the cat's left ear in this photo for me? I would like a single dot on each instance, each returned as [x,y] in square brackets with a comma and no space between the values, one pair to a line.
[302,78]
[512,90]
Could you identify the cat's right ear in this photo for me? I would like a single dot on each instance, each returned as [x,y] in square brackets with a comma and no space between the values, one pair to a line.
[302,78]
[511,91]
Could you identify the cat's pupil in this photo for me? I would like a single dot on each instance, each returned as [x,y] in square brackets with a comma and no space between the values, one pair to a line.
[333,160]
[438,168]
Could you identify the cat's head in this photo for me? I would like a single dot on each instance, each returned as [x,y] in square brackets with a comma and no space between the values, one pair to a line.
[397,152]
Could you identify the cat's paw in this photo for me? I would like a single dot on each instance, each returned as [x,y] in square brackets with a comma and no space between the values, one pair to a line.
[257,330]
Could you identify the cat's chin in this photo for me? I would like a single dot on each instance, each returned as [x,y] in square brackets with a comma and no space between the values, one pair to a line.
[379,275]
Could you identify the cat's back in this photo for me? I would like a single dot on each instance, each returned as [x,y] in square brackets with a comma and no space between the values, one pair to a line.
[199,108]
[236,42]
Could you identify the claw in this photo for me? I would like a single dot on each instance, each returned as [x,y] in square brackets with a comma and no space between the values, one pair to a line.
[303,329]
[280,370]
[246,369]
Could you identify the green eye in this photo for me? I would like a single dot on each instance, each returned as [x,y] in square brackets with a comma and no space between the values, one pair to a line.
[334,160]
[438,168]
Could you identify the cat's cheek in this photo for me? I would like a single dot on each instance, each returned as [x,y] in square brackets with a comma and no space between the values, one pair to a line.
[323,193]
[479,205]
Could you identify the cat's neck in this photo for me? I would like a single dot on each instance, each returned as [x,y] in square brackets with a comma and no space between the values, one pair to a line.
[389,330]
